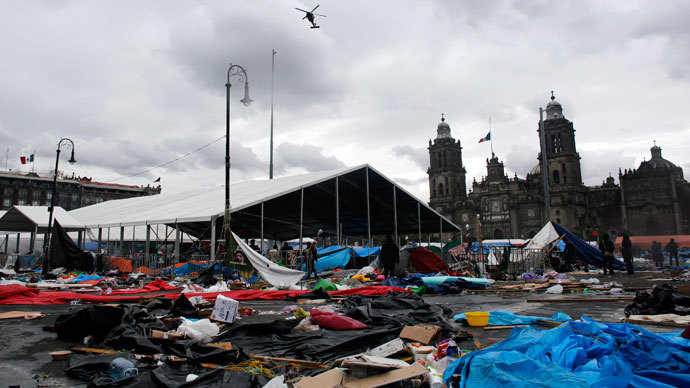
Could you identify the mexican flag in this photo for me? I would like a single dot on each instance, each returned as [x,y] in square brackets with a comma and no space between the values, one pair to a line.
[485,138]
[25,159]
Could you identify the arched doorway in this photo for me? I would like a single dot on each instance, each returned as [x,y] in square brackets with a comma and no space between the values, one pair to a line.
[498,234]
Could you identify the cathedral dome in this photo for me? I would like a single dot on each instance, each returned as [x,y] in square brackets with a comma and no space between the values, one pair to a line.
[656,161]
[554,110]
[443,129]
[536,170]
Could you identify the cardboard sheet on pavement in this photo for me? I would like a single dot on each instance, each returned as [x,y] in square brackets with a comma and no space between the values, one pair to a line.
[336,377]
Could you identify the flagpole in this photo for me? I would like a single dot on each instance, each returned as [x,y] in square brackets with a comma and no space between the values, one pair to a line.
[491,138]
[7,156]
[33,160]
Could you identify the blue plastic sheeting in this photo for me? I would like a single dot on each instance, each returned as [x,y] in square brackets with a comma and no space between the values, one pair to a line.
[338,259]
[82,278]
[366,252]
[188,268]
[585,251]
[577,354]
[436,280]
[505,317]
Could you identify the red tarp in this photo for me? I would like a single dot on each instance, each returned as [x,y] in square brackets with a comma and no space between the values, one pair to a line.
[156,285]
[683,240]
[426,261]
[18,294]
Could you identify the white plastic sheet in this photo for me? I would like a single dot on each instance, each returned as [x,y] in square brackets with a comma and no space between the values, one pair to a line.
[277,275]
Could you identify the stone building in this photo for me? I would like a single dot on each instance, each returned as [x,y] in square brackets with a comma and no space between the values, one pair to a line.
[651,200]
[33,189]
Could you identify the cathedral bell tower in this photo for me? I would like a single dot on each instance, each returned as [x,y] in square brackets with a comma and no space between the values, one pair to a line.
[563,166]
[446,174]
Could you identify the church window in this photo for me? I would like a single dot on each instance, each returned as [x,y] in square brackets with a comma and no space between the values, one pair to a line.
[557,146]
[556,177]
[440,189]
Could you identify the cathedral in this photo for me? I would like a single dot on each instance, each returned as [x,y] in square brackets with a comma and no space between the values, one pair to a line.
[653,199]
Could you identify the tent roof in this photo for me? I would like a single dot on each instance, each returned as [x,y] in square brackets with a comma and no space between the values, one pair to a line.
[27,218]
[280,199]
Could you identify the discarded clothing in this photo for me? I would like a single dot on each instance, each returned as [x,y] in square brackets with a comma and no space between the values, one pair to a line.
[662,300]
[577,354]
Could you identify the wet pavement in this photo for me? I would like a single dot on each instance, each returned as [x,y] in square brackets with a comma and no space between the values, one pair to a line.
[25,346]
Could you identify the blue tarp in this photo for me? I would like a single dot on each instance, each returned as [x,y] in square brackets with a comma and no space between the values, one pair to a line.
[577,354]
[82,278]
[188,268]
[337,259]
[365,252]
[505,317]
[585,251]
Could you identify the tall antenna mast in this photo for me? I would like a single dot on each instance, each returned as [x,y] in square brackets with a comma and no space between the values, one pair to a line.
[270,166]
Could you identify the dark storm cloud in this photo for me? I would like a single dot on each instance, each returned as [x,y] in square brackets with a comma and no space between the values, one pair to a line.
[304,156]
[418,155]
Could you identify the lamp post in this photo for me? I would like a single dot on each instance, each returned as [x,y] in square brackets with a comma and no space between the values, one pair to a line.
[233,70]
[46,244]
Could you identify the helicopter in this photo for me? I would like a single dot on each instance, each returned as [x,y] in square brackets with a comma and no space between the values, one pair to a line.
[310,15]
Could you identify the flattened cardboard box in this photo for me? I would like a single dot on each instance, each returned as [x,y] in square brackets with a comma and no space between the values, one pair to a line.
[225,309]
[336,377]
[423,333]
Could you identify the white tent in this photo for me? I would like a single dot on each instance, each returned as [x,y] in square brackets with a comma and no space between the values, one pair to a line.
[545,236]
[35,219]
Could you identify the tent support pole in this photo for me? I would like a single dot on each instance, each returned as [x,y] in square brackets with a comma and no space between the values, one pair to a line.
[301,217]
[100,239]
[122,241]
[134,238]
[34,234]
[147,248]
[7,241]
[395,214]
[419,223]
[213,237]
[108,243]
[177,243]
[337,210]
[262,228]
[440,222]
[366,174]
[18,238]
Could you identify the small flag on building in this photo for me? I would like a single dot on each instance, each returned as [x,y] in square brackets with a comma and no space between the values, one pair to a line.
[485,138]
[158,180]
[26,159]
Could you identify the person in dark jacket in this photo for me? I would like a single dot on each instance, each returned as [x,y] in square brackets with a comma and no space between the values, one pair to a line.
[570,255]
[627,254]
[312,256]
[606,247]
[657,254]
[390,255]
[672,249]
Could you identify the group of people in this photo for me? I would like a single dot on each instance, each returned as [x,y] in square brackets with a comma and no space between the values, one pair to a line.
[657,253]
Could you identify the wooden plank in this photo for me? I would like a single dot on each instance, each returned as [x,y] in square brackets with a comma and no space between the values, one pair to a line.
[659,323]
[503,327]
[578,300]
[310,364]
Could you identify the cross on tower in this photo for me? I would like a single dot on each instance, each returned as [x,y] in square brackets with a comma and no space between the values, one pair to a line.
[552,96]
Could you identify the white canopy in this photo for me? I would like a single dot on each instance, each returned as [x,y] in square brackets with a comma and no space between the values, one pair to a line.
[29,218]
[545,236]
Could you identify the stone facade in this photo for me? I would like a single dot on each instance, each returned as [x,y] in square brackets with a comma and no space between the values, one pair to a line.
[33,189]
[651,200]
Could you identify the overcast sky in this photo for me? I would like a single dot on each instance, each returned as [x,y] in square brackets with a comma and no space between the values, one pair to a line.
[139,83]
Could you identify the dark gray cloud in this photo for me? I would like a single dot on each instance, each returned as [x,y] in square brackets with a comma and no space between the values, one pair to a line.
[306,157]
[137,86]
[418,155]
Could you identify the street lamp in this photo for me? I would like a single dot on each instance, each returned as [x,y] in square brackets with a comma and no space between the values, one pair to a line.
[68,143]
[233,70]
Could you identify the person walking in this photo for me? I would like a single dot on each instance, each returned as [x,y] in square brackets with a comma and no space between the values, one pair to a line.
[672,249]
[657,254]
[390,255]
[570,255]
[312,256]
[274,254]
[627,254]
[606,247]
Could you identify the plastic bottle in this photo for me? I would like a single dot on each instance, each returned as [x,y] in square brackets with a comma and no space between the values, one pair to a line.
[121,368]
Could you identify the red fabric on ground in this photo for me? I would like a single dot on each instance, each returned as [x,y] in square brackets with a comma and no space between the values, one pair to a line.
[64,297]
[156,285]
[335,321]
[426,261]
[12,290]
